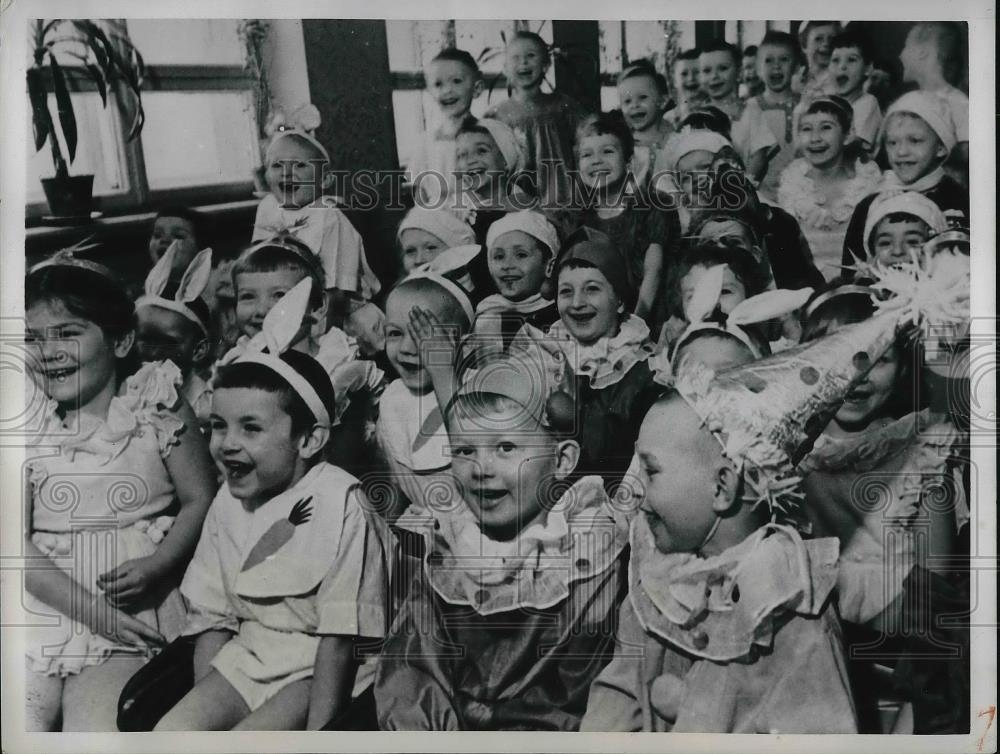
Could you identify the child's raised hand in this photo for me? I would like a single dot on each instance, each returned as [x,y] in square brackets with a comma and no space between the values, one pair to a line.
[437,343]
[120,627]
[128,583]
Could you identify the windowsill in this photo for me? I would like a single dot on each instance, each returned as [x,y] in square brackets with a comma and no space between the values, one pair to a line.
[127,222]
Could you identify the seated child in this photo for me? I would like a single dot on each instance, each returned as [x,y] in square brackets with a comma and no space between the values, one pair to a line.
[185,226]
[453,81]
[898,225]
[521,251]
[850,64]
[642,97]
[882,443]
[544,121]
[730,604]
[606,349]
[687,92]
[512,614]
[918,136]
[177,327]
[772,108]
[290,571]
[295,164]
[750,83]
[263,276]
[117,483]
[410,431]
[822,188]
[719,63]
[644,234]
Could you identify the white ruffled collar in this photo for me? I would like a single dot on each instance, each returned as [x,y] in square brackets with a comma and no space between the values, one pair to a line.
[798,192]
[581,537]
[719,608]
[607,361]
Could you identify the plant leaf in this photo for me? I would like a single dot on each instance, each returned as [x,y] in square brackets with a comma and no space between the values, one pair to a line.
[67,118]
[98,76]
[41,119]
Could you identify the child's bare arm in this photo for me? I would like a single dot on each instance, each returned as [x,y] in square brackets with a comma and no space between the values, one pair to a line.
[206,647]
[652,269]
[190,467]
[333,678]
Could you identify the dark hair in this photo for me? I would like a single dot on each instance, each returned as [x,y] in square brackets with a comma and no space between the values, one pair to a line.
[611,124]
[197,220]
[90,295]
[470,125]
[708,118]
[783,39]
[644,67]
[851,38]
[263,377]
[721,45]
[742,263]
[532,37]
[269,258]
[950,42]
[689,54]
[749,50]
[459,56]
[836,106]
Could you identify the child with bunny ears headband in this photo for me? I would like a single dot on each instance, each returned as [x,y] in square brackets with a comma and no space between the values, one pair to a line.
[178,327]
[290,569]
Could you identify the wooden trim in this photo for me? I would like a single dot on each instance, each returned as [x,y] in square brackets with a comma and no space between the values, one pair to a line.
[165,78]
[415,80]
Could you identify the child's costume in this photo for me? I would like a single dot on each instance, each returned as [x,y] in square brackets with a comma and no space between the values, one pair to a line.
[101,494]
[548,131]
[822,220]
[309,562]
[506,635]
[776,118]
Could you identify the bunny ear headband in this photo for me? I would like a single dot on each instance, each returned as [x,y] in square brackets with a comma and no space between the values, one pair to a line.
[448,261]
[277,334]
[192,284]
[301,122]
[754,310]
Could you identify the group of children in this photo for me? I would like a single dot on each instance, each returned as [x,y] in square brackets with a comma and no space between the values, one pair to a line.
[601,457]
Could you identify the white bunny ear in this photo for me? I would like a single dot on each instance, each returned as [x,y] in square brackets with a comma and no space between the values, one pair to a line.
[195,277]
[706,294]
[159,276]
[768,305]
[453,259]
[282,323]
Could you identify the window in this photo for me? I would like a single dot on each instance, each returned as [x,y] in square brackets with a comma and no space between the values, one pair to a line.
[413,44]
[200,138]
[623,41]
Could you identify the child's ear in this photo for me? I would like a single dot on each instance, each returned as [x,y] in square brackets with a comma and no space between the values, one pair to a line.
[200,352]
[124,344]
[567,456]
[478,88]
[726,495]
[313,441]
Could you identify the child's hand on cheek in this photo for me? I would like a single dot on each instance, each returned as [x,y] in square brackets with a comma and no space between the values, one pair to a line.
[437,343]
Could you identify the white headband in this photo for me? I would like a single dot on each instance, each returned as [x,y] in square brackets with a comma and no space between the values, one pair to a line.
[526,221]
[451,260]
[930,108]
[506,141]
[694,141]
[907,202]
[277,333]
[301,122]
[443,224]
[192,284]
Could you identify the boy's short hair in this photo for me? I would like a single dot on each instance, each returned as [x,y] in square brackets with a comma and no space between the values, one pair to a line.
[741,262]
[851,38]
[644,67]
[611,124]
[721,45]
[470,125]
[288,253]
[836,106]
[783,39]
[450,311]
[459,56]
[263,377]
[708,118]
[532,37]
[689,54]
[950,43]
[194,217]
[749,51]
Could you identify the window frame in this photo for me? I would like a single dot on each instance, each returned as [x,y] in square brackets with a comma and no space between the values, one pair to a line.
[137,196]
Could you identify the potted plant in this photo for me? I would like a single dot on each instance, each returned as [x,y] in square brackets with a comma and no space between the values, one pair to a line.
[114,66]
